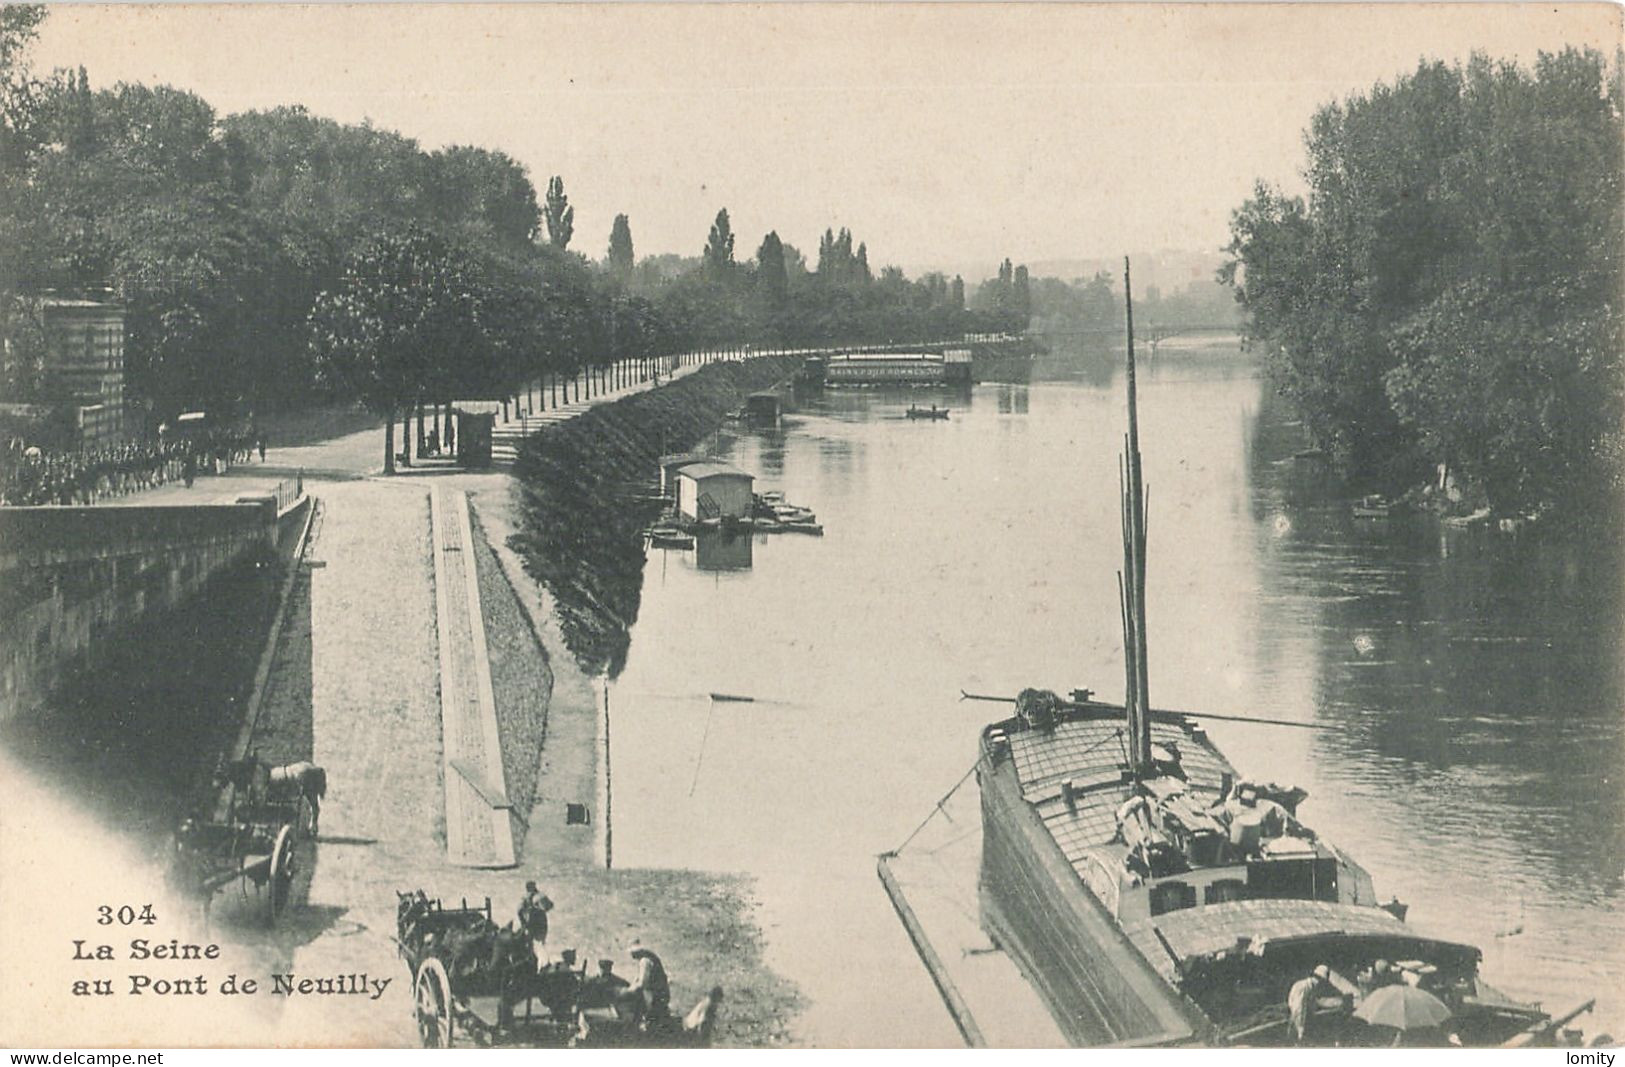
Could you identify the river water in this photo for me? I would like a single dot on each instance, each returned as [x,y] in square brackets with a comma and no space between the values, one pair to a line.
[1470,682]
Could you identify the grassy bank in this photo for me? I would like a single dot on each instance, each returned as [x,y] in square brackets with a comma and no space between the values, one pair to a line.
[521,680]
[573,521]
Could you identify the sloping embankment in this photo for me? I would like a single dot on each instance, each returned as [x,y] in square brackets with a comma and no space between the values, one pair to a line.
[583,492]
[586,491]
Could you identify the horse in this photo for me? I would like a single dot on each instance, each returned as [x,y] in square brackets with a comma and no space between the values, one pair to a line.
[302,779]
[261,782]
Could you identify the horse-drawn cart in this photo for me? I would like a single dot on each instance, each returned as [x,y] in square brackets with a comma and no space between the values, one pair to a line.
[476,980]
[212,855]
[259,816]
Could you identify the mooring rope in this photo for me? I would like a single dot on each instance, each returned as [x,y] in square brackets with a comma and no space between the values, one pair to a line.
[709,711]
[935,810]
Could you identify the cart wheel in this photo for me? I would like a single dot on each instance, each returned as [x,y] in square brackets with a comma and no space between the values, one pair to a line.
[281,873]
[432,993]
[302,822]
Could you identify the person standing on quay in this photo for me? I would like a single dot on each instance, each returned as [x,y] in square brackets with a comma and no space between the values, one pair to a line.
[533,909]
[650,987]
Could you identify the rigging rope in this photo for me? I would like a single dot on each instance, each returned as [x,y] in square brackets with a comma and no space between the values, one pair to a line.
[935,810]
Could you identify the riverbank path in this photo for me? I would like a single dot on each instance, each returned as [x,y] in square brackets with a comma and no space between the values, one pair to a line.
[479,826]
[506,437]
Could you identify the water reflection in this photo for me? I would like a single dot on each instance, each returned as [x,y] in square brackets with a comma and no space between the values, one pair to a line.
[1475,683]
[1012,399]
[717,550]
[1474,696]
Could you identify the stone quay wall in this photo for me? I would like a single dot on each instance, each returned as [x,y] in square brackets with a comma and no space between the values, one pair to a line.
[73,580]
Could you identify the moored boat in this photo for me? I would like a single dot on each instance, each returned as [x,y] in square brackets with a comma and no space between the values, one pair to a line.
[932,412]
[1153,896]
[670,538]
[1372,506]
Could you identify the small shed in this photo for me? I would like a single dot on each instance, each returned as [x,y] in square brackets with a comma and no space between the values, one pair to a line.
[713,491]
[474,437]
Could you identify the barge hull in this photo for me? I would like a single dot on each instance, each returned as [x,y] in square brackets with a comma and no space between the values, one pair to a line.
[1095,982]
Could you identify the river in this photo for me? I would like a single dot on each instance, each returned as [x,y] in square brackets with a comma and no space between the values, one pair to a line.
[1470,682]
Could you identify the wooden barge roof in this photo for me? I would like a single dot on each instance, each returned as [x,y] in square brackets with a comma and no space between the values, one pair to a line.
[1086,748]
[1171,940]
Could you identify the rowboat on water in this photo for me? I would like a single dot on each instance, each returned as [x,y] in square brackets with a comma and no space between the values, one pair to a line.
[1372,506]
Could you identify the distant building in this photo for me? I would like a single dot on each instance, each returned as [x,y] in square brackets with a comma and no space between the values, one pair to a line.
[84,366]
[713,491]
[895,368]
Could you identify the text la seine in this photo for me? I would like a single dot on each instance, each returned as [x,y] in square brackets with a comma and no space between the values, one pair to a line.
[281,984]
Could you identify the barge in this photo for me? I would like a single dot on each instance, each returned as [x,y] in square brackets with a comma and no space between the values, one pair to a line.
[897,368]
[1152,896]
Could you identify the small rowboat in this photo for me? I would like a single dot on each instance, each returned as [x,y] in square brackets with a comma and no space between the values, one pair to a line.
[1372,507]
[932,412]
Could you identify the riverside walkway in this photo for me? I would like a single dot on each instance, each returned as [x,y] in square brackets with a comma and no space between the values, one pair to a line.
[506,437]
[479,826]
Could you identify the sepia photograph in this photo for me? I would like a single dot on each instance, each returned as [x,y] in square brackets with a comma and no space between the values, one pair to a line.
[659,526]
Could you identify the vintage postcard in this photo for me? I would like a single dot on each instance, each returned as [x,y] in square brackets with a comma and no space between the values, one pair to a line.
[812,525]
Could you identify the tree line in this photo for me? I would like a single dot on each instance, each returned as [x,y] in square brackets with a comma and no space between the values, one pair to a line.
[1449,291]
[270,257]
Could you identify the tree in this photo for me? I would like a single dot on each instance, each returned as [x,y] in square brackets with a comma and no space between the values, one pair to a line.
[1450,291]
[718,257]
[481,196]
[620,258]
[22,335]
[559,214]
[1021,298]
[19,26]
[404,303]
[771,276]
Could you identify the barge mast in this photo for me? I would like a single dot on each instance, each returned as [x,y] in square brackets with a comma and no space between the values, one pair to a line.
[1131,587]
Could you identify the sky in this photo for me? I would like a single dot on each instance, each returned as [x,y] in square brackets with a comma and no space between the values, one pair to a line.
[945,136]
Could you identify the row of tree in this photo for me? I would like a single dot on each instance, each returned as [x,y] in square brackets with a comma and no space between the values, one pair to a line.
[267,256]
[1449,292]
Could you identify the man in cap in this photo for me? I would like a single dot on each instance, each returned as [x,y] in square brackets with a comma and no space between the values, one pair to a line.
[650,986]
[1300,1001]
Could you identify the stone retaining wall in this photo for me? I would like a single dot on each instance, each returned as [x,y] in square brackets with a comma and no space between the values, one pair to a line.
[73,580]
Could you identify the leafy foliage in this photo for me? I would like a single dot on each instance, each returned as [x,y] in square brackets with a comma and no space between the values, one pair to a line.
[271,255]
[1449,293]
[718,256]
[560,215]
[620,259]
